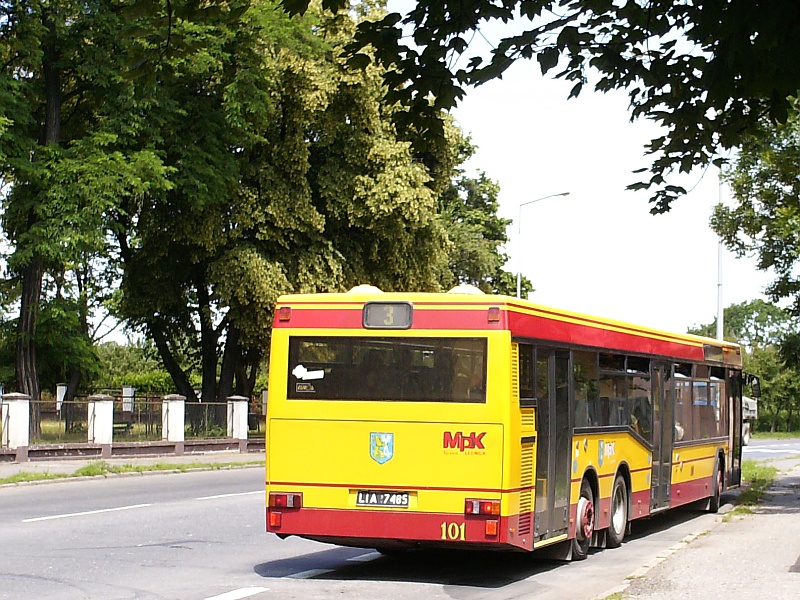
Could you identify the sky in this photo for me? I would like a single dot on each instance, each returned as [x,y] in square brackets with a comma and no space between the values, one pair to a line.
[598,250]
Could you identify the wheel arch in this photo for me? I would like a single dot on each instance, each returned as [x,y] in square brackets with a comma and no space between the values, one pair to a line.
[590,474]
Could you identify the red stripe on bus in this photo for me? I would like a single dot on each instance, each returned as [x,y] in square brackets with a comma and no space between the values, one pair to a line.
[401,488]
[600,335]
[347,318]
[547,326]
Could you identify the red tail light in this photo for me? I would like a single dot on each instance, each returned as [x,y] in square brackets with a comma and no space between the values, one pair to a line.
[285,313]
[285,500]
[482,507]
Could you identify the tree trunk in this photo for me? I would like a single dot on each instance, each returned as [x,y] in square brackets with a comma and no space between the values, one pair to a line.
[27,366]
[179,378]
[230,359]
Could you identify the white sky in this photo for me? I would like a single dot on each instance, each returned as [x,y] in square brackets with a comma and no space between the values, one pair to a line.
[598,250]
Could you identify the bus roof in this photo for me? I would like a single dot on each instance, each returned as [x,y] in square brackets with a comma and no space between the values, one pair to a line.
[485,312]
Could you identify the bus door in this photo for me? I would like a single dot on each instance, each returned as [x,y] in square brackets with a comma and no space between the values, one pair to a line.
[553,442]
[735,399]
[663,426]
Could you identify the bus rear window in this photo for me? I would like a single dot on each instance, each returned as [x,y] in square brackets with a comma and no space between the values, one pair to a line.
[387,369]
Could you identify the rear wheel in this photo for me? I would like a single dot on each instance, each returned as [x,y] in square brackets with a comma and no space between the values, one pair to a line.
[619,513]
[713,503]
[584,526]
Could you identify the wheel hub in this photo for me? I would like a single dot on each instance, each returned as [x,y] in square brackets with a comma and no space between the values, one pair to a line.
[585,518]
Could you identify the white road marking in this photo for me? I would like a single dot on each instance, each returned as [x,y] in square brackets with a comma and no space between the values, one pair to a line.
[88,512]
[230,495]
[365,557]
[309,574]
[239,594]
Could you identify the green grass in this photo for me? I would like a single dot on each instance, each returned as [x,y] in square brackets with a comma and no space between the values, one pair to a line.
[757,477]
[102,468]
[25,477]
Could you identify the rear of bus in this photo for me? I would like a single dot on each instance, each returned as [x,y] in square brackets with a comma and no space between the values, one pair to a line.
[387,421]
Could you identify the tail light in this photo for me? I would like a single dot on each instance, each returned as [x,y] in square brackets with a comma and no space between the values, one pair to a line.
[285,500]
[482,507]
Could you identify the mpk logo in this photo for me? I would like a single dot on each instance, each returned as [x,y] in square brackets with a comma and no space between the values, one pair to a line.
[453,440]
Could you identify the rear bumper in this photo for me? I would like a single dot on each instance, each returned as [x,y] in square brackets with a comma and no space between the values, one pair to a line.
[373,528]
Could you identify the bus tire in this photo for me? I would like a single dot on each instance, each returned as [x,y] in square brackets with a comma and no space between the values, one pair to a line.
[584,522]
[714,502]
[619,513]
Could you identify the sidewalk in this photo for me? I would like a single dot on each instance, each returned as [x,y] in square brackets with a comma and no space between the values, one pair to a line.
[68,466]
[747,556]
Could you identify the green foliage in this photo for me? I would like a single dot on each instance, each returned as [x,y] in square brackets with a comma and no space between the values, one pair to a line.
[753,324]
[134,365]
[758,478]
[706,73]
[198,163]
[766,218]
[766,333]
[296,181]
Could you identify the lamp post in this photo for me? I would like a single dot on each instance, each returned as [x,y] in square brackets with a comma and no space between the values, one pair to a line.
[519,233]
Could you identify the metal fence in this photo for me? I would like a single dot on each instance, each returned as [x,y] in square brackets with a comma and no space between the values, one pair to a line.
[136,419]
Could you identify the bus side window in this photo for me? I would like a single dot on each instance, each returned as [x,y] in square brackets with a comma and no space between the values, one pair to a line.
[586,396]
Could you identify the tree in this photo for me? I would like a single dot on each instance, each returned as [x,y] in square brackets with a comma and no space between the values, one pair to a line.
[59,74]
[766,333]
[766,217]
[296,180]
[754,324]
[707,72]
[468,208]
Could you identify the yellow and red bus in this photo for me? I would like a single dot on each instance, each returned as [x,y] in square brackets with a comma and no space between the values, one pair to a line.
[398,420]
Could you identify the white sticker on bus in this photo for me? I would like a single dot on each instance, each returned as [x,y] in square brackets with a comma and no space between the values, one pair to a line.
[304,374]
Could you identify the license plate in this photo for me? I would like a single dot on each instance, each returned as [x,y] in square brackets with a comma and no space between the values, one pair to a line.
[378,498]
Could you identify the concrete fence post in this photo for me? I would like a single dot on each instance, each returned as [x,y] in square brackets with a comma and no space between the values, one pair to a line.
[101,422]
[61,395]
[128,395]
[173,420]
[237,418]
[16,415]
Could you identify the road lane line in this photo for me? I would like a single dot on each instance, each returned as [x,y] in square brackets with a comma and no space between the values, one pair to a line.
[239,594]
[88,512]
[309,574]
[370,556]
[230,495]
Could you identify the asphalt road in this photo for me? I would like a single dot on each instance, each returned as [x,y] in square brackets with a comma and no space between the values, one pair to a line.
[760,449]
[200,535]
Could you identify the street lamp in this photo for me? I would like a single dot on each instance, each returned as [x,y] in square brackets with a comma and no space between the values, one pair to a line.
[519,234]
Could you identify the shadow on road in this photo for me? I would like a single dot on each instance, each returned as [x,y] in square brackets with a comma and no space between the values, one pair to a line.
[476,569]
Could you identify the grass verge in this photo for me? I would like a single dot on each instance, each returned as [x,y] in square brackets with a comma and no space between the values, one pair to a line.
[757,477]
[102,468]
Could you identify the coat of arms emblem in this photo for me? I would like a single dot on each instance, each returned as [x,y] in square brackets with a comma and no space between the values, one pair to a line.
[381,447]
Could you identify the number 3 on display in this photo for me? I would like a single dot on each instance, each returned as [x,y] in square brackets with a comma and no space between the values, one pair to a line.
[454,531]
